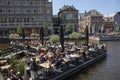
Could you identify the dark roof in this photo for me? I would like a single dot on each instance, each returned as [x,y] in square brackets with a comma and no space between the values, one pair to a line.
[93,12]
[65,7]
[118,13]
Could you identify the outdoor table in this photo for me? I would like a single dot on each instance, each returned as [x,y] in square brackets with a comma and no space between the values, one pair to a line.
[75,55]
[46,65]
[66,59]
[3,61]
[91,49]
[5,67]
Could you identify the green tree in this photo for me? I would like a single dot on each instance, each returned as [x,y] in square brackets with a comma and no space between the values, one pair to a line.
[19,28]
[22,66]
[45,27]
[34,35]
[69,28]
[54,38]
[14,36]
[75,35]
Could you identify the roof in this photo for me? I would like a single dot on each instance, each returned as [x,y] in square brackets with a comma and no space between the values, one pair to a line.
[110,15]
[65,7]
[93,12]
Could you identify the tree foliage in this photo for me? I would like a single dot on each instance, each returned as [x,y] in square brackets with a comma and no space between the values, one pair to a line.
[22,66]
[45,27]
[19,28]
[54,38]
[34,35]
[69,28]
[14,36]
[75,35]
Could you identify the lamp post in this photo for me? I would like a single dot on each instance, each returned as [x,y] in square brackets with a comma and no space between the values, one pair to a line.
[86,36]
[42,35]
[61,34]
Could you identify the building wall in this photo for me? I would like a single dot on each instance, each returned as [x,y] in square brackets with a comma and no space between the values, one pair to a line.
[117,18]
[69,16]
[31,13]
[93,20]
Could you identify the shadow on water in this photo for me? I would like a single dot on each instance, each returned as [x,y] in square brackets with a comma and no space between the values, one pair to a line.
[81,75]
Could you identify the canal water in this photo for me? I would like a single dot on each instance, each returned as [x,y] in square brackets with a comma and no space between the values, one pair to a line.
[107,69]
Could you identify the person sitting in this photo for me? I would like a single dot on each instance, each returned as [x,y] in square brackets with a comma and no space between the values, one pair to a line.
[33,68]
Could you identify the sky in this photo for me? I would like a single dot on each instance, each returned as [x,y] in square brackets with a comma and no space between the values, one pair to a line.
[103,6]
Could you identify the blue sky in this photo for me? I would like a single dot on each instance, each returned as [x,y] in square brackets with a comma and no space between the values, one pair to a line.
[103,6]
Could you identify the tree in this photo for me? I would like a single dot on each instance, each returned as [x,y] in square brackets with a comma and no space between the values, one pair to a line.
[14,36]
[45,26]
[22,66]
[54,39]
[19,28]
[34,35]
[75,35]
[69,28]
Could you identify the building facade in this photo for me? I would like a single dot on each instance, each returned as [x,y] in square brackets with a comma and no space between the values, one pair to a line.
[55,24]
[108,25]
[81,22]
[31,13]
[115,18]
[68,14]
[94,20]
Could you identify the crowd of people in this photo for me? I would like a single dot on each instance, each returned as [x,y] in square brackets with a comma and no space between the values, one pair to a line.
[54,57]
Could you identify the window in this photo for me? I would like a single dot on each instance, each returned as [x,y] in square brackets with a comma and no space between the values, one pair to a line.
[25,20]
[8,2]
[18,10]
[11,3]
[9,11]
[13,19]
[25,10]
[25,3]
[39,3]
[39,10]
[18,3]
[3,11]
[48,11]
[0,11]
[33,10]
[3,3]
[32,3]
[49,18]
